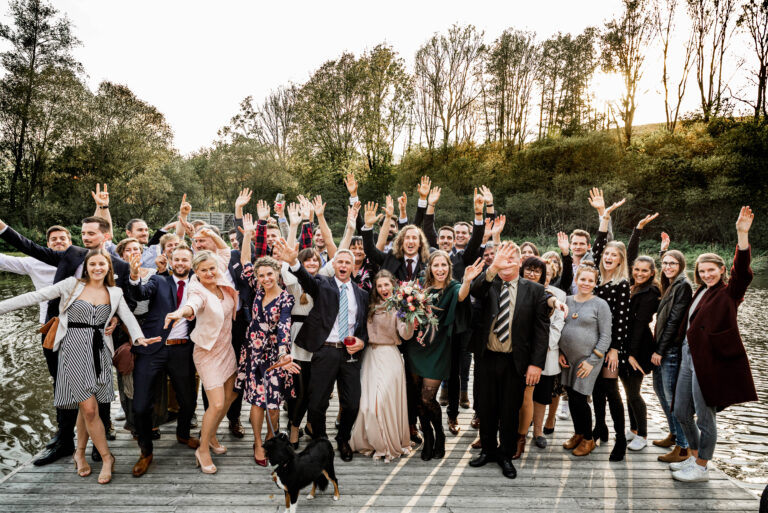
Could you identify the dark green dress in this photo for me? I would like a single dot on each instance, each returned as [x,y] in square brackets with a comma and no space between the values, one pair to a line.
[434,360]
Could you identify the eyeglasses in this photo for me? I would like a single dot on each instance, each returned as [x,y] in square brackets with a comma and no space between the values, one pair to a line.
[533,272]
[670,264]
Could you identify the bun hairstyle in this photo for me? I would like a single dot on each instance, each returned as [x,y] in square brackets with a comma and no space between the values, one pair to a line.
[587,267]
[709,258]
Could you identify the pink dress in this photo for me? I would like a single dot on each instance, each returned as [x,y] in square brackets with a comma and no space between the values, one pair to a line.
[218,364]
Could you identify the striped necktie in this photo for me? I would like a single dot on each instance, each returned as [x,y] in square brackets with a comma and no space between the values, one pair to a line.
[502,320]
[343,317]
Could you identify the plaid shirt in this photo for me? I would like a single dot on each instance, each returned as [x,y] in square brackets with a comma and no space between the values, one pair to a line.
[260,240]
[307,232]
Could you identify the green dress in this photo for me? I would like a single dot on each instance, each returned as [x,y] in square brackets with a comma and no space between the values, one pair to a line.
[434,360]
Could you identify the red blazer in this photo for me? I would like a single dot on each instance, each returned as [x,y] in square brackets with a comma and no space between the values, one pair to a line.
[719,358]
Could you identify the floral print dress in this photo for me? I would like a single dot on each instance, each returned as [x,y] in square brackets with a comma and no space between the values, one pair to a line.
[269,336]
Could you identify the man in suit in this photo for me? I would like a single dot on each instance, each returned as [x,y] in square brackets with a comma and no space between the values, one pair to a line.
[340,311]
[173,355]
[68,263]
[509,354]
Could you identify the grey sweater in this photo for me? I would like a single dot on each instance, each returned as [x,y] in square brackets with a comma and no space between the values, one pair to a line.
[591,329]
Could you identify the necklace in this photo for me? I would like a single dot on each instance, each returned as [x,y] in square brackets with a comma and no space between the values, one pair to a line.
[577,308]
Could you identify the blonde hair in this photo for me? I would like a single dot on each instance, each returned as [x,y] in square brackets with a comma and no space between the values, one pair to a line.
[622,271]
[120,248]
[430,278]
[554,255]
[202,256]
[587,267]
[397,243]
[709,258]
[267,261]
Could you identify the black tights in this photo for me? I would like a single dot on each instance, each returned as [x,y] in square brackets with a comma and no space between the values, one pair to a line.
[581,414]
[608,388]
[428,409]
[635,404]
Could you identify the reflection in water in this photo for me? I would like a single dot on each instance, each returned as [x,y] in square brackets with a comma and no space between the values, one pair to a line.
[27,413]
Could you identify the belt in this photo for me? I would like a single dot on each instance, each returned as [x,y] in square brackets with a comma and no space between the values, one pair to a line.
[97,343]
[337,345]
[298,318]
[176,341]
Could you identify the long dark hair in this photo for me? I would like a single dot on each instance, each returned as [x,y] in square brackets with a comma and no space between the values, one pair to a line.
[376,299]
[680,259]
[109,279]
[653,280]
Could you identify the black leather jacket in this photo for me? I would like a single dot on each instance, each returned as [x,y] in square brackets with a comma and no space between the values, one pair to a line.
[674,304]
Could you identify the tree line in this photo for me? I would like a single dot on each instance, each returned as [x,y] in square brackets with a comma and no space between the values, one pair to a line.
[516,113]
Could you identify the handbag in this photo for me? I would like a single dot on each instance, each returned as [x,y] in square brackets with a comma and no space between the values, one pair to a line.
[123,359]
[50,328]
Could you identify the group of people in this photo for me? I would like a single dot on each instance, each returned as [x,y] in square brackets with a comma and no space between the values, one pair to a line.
[281,314]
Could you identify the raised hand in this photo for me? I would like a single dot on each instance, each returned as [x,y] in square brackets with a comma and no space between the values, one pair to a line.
[744,222]
[434,195]
[161,263]
[319,206]
[286,253]
[188,228]
[294,216]
[562,243]
[351,184]
[402,202]
[613,207]
[664,241]
[479,202]
[423,187]
[503,258]
[304,207]
[135,262]
[185,208]
[596,200]
[248,226]
[487,196]
[279,207]
[101,197]
[369,214]
[352,212]
[389,209]
[473,271]
[498,225]
[242,199]
[262,210]
[647,219]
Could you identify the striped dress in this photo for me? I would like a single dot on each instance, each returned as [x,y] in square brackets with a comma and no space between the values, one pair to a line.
[77,380]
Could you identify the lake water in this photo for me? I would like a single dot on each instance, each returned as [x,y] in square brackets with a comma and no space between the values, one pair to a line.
[27,416]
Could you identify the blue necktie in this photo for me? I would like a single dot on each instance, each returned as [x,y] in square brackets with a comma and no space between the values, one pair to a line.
[343,317]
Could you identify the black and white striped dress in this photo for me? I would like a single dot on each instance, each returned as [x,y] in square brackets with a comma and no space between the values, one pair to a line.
[77,380]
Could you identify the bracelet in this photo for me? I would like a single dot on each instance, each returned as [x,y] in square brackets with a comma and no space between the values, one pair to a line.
[489,205]
[478,213]
[103,206]
[598,353]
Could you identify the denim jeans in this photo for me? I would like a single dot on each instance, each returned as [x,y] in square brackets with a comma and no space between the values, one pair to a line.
[664,381]
[701,433]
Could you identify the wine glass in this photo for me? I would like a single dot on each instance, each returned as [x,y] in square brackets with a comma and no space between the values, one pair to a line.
[349,342]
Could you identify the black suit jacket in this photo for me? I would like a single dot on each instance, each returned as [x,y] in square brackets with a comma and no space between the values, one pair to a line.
[161,293]
[462,258]
[319,323]
[66,263]
[387,260]
[244,290]
[530,320]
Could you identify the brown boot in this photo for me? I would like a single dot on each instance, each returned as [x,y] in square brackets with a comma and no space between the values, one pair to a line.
[191,442]
[141,466]
[669,441]
[676,455]
[584,448]
[477,444]
[573,442]
[520,447]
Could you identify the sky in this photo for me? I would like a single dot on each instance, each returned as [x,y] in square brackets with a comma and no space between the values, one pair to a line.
[196,60]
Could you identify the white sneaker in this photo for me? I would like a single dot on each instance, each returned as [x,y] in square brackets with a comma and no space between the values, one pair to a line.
[563,413]
[630,435]
[638,443]
[680,465]
[120,414]
[691,474]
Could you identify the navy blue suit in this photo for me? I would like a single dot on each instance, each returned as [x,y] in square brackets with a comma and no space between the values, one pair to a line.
[151,361]
[329,364]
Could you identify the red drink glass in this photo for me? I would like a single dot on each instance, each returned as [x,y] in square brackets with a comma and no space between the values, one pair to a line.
[349,342]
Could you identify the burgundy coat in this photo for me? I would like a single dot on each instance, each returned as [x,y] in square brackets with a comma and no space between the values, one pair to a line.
[719,357]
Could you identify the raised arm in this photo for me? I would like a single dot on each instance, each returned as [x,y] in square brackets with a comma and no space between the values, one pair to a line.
[294,220]
[633,248]
[371,251]
[429,218]
[472,251]
[289,255]
[402,203]
[389,211]
[566,273]
[325,230]
[26,246]
[101,198]
[36,297]
[741,272]
[423,188]
[470,273]
[245,249]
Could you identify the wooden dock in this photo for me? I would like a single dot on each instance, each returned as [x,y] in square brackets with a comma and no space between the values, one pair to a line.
[549,480]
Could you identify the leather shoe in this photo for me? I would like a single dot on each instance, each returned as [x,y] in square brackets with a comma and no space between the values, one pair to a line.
[236,428]
[584,448]
[541,442]
[141,466]
[667,442]
[477,444]
[475,422]
[520,447]
[95,456]
[155,434]
[573,442]
[191,442]
[53,453]
[345,451]
[453,426]
[53,441]
[415,438]
[110,433]
[508,469]
[481,460]
[549,431]
[464,400]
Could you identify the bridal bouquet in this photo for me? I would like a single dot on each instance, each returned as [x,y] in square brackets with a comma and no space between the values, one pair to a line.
[413,304]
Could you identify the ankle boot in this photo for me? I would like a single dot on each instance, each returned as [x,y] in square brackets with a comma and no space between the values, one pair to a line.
[429,440]
[439,448]
[669,441]
[600,433]
[620,449]
[676,455]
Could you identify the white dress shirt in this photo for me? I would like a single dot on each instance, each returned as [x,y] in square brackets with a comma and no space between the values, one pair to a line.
[42,274]
[181,330]
[334,336]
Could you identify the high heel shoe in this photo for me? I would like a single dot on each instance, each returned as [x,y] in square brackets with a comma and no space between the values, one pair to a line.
[85,471]
[600,433]
[219,449]
[261,463]
[107,479]
[207,469]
